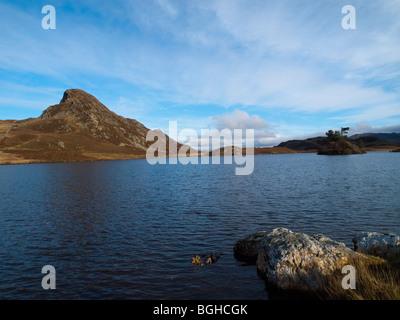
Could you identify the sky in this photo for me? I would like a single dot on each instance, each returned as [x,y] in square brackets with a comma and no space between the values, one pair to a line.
[287,68]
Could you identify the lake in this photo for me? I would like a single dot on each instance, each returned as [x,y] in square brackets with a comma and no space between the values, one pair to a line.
[128,230]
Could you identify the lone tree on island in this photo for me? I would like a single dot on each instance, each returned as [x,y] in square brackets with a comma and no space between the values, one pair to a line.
[337,135]
[337,143]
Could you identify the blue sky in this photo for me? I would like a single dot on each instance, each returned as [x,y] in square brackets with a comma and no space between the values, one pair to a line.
[285,68]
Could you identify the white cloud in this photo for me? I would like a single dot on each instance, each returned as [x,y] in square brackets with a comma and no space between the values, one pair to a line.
[271,55]
[239,119]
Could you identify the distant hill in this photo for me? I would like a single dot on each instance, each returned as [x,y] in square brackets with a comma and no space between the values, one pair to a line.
[232,150]
[377,139]
[319,144]
[303,145]
[367,140]
[79,128]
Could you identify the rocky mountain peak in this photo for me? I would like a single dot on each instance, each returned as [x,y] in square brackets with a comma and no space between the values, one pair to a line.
[76,103]
[79,128]
[78,95]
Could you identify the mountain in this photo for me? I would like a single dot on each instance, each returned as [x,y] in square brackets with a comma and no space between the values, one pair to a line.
[79,128]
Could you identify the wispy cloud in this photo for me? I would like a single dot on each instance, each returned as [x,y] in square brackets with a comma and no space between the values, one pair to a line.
[271,57]
[364,127]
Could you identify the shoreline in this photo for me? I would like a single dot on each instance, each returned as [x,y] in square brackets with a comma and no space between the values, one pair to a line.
[7,158]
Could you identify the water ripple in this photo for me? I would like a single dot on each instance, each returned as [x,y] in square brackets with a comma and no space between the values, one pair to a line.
[125,229]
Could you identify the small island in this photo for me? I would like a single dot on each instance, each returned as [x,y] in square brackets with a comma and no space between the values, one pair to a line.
[337,143]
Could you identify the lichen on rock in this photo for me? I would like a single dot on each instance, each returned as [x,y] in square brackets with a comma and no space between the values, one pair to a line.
[381,244]
[295,261]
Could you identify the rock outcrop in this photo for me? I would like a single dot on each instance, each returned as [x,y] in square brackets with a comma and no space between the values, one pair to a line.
[294,261]
[379,244]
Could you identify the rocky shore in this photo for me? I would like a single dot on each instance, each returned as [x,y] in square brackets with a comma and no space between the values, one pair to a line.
[300,262]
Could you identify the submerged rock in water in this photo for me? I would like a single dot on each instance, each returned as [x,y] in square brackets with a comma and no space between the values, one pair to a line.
[214,257]
[379,244]
[197,260]
[208,259]
[295,261]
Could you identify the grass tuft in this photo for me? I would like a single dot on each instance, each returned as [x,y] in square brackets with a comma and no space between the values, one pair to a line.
[376,279]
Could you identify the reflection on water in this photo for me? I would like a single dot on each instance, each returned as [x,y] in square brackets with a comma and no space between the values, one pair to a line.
[125,229]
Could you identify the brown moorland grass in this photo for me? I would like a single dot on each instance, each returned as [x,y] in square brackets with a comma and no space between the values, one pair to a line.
[8,158]
[376,279]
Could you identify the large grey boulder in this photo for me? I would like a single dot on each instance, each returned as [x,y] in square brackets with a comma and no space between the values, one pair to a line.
[297,261]
[379,244]
[247,249]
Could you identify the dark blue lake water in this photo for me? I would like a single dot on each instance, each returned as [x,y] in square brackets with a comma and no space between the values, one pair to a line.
[128,230]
